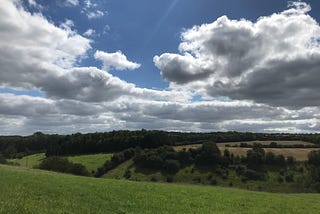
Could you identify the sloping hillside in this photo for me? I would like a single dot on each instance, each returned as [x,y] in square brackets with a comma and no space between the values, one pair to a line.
[34,191]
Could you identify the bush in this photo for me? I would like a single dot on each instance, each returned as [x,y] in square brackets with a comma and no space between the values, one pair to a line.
[315,187]
[154,179]
[253,175]
[290,160]
[169,179]
[3,160]
[314,158]
[61,164]
[172,166]
[213,182]
[77,169]
[127,174]
[289,178]
[280,179]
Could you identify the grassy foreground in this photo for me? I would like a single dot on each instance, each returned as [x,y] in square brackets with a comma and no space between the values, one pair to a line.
[25,190]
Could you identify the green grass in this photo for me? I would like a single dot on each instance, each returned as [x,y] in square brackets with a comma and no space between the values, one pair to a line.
[91,162]
[193,175]
[30,161]
[34,191]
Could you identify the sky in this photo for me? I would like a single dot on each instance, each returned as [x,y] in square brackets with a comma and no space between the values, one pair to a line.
[70,66]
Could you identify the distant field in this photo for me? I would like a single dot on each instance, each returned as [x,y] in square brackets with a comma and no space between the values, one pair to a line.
[300,154]
[91,162]
[30,161]
[35,191]
[267,142]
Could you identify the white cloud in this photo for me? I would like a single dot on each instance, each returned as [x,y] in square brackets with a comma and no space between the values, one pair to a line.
[95,14]
[275,60]
[115,60]
[90,32]
[32,3]
[36,54]
[89,4]
[72,2]
[91,11]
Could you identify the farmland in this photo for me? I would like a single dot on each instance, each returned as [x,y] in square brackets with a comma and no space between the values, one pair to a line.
[35,191]
[299,154]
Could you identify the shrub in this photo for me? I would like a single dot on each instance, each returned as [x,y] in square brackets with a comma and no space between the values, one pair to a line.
[127,174]
[61,164]
[289,178]
[3,160]
[154,179]
[253,175]
[314,158]
[213,182]
[280,179]
[172,166]
[169,179]
[77,169]
[290,160]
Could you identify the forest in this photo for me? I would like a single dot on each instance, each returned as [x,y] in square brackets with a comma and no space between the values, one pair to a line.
[115,141]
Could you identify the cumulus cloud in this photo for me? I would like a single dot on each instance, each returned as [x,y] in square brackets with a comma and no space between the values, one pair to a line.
[115,60]
[35,54]
[89,32]
[39,55]
[275,60]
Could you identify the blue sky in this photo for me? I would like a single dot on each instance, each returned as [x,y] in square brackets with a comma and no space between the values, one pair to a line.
[90,65]
[142,29]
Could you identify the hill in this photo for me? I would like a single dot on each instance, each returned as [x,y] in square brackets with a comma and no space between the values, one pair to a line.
[35,191]
[91,162]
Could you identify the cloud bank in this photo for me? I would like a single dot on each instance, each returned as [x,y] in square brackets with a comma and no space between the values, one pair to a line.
[267,69]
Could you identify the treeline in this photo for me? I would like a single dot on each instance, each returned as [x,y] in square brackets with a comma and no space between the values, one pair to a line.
[114,141]
[253,166]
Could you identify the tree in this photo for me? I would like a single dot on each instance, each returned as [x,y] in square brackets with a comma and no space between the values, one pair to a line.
[255,156]
[208,155]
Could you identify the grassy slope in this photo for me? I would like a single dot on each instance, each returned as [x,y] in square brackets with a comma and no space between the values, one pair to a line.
[30,161]
[196,176]
[91,162]
[34,191]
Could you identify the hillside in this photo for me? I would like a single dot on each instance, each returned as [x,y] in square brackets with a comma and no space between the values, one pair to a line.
[35,191]
[91,162]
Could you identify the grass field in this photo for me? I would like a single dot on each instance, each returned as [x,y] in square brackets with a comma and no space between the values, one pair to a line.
[30,161]
[35,191]
[299,154]
[91,162]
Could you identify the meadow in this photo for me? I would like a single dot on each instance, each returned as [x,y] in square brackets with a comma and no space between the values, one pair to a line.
[34,191]
[91,162]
